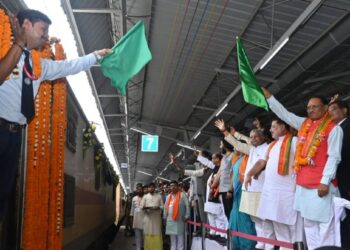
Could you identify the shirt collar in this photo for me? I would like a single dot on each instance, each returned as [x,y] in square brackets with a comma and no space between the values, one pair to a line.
[342,121]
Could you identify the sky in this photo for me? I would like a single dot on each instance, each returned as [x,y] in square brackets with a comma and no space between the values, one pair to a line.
[60,28]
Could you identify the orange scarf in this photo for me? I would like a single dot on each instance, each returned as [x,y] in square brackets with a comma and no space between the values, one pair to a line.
[242,167]
[283,160]
[176,205]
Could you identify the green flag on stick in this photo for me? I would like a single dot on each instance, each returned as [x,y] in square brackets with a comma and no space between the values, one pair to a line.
[252,92]
[128,57]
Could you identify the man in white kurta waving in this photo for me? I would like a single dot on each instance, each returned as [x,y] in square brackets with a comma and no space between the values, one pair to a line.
[316,160]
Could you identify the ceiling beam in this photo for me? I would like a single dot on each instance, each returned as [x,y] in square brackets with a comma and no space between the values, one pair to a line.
[114,115]
[96,11]
[110,96]
[181,129]
[233,73]
[212,109]
[326,78]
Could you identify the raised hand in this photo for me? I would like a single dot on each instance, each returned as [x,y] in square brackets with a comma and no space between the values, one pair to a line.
[103,52]
[18,31]
[220,124]
[171,158]
[266,92]
[334,98]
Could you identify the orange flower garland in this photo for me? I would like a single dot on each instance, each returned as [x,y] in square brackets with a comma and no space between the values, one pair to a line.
[38,174]
[5,34]
[308,145]
[36,55]
[59,122]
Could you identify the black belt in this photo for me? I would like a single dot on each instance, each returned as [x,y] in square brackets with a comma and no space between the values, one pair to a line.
[11,126]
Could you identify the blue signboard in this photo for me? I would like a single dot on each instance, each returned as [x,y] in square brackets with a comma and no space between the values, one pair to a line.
[149,143]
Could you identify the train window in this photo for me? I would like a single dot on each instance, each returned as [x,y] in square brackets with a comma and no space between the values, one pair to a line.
[69,200]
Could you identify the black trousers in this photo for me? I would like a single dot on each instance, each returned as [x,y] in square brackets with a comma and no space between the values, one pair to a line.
[227,204]
[345,224]
[10,147]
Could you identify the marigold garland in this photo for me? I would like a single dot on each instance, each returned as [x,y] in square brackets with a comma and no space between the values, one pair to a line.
[59,122]
[43,215]
[308,145]
[5,34]
[38,173]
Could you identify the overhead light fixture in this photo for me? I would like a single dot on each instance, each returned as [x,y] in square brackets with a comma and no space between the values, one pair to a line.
[145,173]
[127,138]
[139,131]
[186,146]
[222,109]
[196,135]
[126,107]
[164,179]
[274,53]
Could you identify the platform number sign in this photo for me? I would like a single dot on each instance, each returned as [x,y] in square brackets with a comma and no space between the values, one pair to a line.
[149,143]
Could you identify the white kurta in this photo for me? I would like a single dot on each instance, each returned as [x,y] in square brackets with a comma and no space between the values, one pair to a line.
[307,201]
[152,218]
[256,153]
[212,207]
[277,196]
[137,212]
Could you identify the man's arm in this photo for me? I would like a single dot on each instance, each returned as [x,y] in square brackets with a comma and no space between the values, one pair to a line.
[216,181]
[257,168]
[187,206]
[194,173]
[237,145]
[52,70]
[8,63]
[161,203]
[205,162]
[242,137]
[290,118]
[334,141]
[132,210]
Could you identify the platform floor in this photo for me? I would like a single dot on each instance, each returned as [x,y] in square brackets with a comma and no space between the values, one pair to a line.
[121,242]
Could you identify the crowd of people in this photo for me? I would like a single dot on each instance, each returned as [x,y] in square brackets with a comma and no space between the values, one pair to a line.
[288,182]
[292,187]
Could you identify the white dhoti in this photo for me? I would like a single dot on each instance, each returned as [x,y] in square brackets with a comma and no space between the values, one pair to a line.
[259,228]
[283,232]
[217,218]
[177,242]
[319,234]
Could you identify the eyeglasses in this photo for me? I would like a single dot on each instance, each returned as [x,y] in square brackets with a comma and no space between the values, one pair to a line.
[313,107]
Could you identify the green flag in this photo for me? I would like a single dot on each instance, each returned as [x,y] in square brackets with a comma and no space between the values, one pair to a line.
[128,57]
[252,92]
